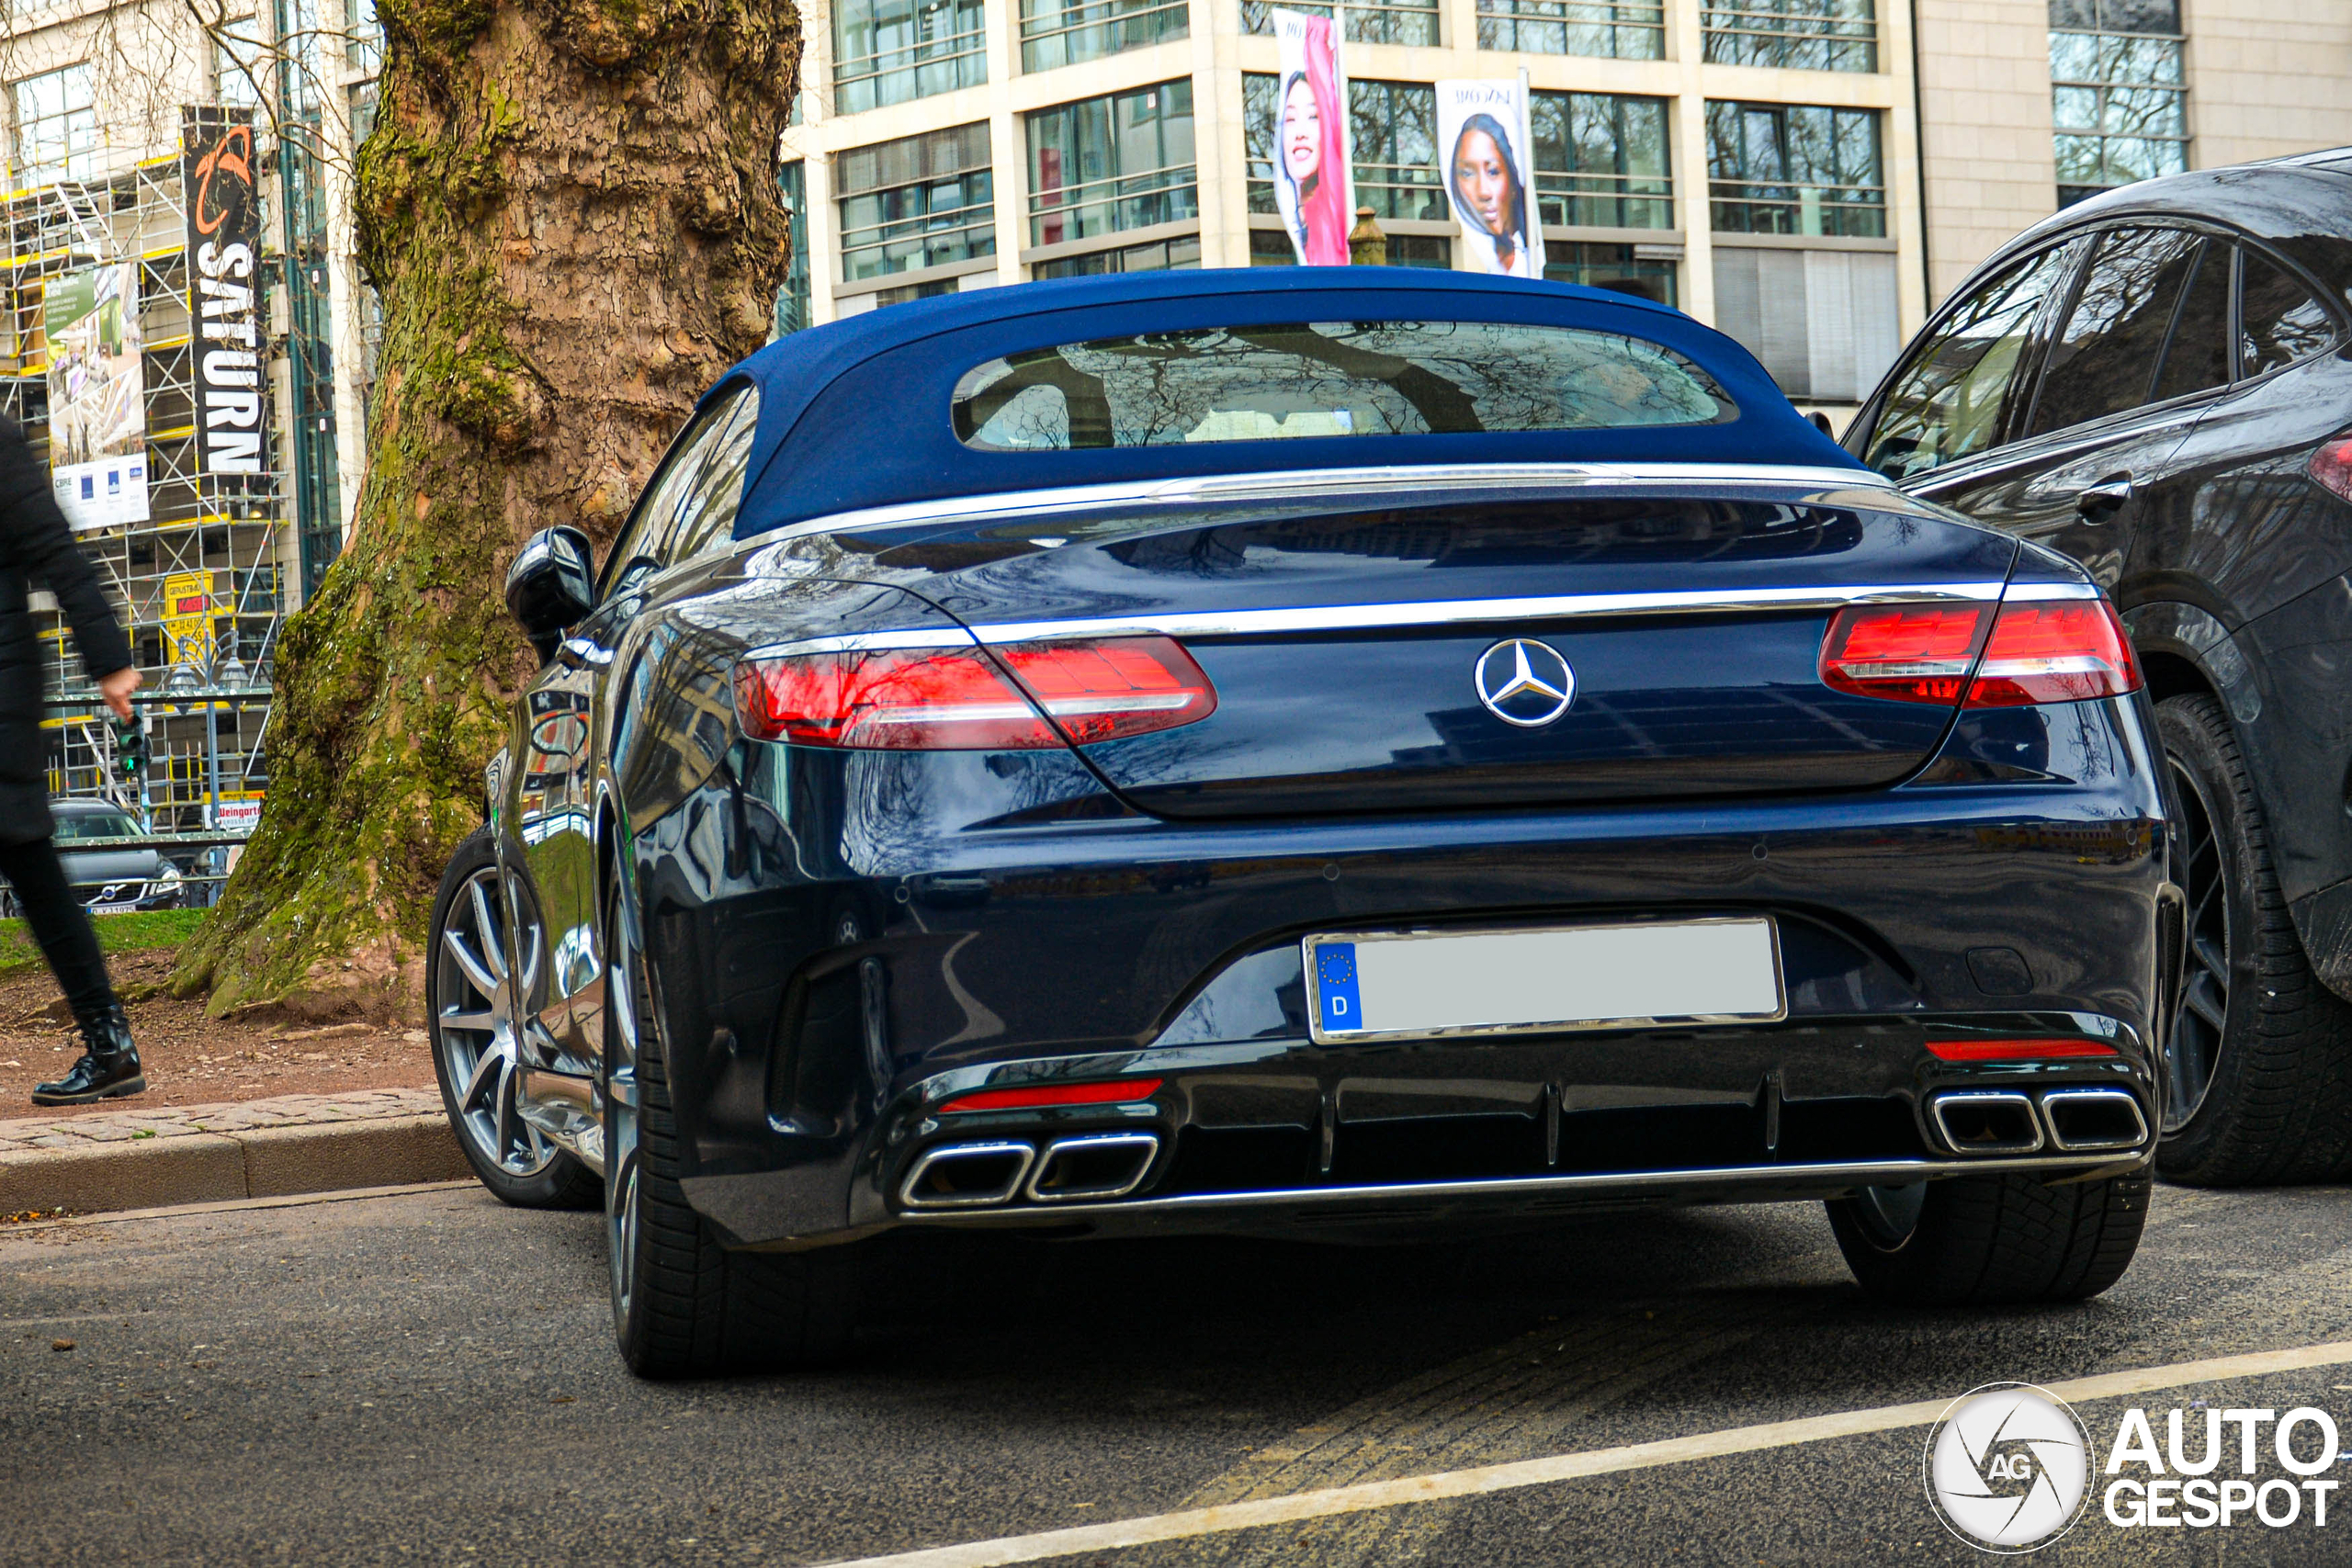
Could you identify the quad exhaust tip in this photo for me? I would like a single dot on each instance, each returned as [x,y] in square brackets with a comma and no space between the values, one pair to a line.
[2008,1121]
[967,1176]
[2086,1120]
[981,1176]
[1103,1165]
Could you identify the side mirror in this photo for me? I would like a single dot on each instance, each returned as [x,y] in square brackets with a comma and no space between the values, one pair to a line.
[551,585]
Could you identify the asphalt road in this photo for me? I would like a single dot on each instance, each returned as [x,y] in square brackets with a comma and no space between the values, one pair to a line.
[430,1378]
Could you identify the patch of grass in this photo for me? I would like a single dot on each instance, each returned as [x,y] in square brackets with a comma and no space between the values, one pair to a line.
[116,933]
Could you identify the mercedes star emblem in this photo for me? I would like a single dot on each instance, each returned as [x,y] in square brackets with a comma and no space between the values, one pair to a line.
[1525,682]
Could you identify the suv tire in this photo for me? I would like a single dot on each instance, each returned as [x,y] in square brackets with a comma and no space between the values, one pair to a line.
[1993,1240]
[2275,1104]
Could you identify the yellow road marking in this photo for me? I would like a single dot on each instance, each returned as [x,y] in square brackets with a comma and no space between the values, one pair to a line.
[1121,1533]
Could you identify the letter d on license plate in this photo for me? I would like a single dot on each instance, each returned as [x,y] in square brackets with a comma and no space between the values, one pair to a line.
[1390,985]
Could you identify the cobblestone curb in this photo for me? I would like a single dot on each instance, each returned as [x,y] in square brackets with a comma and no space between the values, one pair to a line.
[197,1154]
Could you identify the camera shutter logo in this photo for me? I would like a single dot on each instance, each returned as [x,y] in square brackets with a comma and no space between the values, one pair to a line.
[2007,1467]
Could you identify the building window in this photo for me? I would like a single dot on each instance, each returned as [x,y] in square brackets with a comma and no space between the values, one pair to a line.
[2117,94]
[1613,29]
[892,51]
[364,47]
[57,127]
[1105,164]
[1064,32]
[239,58]
[1609,266]
[1271,247]
[792,299]
[1374,21]
[1160,256]
[925,201]
[1600,161]
[1793,35]
[912,291]
[1794,169]
[1392,132]
[1823,322]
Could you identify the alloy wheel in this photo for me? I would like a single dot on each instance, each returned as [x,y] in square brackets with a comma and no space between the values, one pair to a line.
[1889,1215]
[477,983]
[2204,1006]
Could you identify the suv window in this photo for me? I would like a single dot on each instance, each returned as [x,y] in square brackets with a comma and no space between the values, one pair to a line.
[2104,360]
[668,499]
[2280,322]
[1948,402]
[2198,355]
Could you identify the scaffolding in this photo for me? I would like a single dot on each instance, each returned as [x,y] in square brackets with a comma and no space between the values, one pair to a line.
[203,583]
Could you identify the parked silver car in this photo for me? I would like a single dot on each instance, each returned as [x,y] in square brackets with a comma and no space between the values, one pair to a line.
[112,880]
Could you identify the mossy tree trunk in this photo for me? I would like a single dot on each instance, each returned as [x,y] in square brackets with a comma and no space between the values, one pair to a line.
[571,207]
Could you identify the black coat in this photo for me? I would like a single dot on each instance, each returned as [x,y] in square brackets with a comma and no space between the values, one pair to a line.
[36,545]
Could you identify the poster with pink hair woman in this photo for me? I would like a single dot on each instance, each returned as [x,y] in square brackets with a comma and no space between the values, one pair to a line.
[1314,184]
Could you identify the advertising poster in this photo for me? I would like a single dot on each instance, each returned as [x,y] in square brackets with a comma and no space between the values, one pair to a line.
[97,397]
[223,236]
[187,619]
[1483,137]
[1314,181]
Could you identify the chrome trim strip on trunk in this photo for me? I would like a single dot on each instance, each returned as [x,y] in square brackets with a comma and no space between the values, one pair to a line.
[1434,612]
[1861,1173]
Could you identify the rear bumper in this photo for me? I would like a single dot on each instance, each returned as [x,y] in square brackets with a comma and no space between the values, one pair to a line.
[819,1010]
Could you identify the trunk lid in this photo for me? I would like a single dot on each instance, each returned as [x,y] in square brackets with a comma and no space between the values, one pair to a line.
[1346,646]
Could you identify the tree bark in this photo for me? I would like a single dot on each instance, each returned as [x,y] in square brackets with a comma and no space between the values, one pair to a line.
[571,210]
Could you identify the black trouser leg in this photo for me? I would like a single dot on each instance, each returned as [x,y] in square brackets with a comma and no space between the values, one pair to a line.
[60,924]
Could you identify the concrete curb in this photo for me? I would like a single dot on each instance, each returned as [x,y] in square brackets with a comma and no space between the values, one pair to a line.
[214,1166]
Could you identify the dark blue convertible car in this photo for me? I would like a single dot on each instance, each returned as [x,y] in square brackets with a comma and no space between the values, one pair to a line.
[1332,754]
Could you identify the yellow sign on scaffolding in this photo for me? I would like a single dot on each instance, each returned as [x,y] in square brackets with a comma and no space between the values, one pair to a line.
[187,619]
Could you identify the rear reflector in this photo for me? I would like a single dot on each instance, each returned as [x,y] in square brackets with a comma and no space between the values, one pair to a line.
[2056,650]
[1048,1097]
[2015,1050]
[959,700]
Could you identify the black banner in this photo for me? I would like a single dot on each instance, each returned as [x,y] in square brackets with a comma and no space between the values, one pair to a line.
[217,169]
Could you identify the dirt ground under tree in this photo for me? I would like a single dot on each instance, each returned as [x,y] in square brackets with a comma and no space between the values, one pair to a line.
[191,1059]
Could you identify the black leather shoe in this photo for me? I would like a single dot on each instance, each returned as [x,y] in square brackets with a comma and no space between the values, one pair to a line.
[109,1066]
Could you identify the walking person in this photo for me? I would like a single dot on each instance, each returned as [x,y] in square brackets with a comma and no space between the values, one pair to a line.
[36,543]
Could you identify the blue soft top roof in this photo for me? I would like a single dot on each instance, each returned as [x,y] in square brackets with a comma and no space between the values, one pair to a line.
[856,414]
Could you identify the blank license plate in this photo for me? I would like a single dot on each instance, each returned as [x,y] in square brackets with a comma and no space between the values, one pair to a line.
[1371,985]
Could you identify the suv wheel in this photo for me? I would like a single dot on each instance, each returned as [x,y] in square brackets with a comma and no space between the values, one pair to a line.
[683,1306]
[470,986]
[1988,1240]
[2258,1069]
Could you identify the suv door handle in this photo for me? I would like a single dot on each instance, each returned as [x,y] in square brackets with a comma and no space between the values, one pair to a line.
[2105,499]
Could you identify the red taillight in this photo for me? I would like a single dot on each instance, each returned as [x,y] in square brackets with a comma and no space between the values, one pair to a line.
[1050,1097]
[1908,652]
[958,699]
[2332,466]
[2039,650]
[2015,1050]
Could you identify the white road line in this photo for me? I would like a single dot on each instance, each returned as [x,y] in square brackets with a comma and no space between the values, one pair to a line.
[1120,1533]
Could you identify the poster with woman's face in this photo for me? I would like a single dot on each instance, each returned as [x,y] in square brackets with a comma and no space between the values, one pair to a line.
[1313,183]
[1483,140]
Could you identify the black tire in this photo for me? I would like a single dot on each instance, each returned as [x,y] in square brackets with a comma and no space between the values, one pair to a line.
[1996,1240]
[683,1304]
[556,1181]
[2277,1097]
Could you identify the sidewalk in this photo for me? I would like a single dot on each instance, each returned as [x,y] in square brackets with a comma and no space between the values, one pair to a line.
[148,1158]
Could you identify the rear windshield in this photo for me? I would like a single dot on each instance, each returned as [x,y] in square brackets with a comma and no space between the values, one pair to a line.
[1315,378]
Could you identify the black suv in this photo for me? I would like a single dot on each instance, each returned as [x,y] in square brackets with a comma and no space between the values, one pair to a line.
[2158,382]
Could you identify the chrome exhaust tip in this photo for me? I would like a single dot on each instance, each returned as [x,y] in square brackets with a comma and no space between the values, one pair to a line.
[1100,1165]
[1986,1121]
[967,1176]
[2083,1120]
